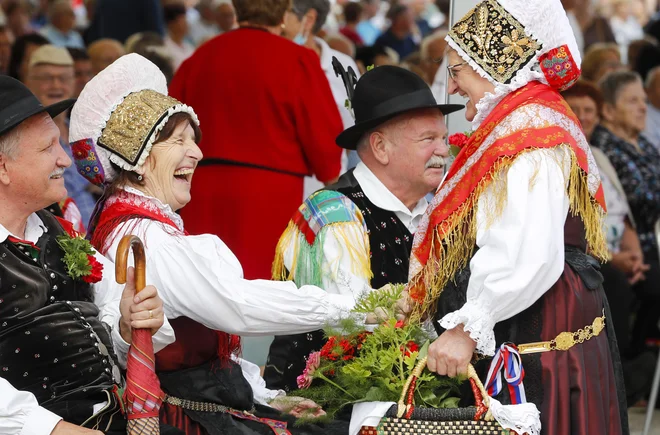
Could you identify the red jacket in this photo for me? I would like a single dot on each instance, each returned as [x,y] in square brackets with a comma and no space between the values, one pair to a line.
[264,100]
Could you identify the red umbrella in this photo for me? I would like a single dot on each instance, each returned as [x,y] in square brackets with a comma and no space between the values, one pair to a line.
[143,396]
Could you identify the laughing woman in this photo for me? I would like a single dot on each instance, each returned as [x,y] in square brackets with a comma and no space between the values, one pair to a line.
[129,136]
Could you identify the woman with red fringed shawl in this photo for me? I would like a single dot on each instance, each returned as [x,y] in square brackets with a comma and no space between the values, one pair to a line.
[138,143]
[505,258]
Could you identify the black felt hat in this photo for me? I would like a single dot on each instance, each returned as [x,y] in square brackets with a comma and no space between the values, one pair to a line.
[381,94]
[17,104]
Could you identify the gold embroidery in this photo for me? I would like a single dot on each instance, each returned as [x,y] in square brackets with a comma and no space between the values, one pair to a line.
[495,40]
[132,123]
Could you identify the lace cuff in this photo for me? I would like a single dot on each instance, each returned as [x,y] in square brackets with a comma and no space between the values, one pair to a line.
[478,321]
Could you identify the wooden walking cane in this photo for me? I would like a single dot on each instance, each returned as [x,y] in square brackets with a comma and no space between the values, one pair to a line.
[143,396]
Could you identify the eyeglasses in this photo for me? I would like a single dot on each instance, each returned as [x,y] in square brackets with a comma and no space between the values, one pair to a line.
[65,78]
[450,69]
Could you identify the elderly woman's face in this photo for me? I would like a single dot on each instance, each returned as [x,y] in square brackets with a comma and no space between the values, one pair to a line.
[467,83]
[629,112]
[587,112]
[169,168]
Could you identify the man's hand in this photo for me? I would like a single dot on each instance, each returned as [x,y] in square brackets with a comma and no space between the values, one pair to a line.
[451,353]
[402,309]
[297,406]
[140,311]
[64,428]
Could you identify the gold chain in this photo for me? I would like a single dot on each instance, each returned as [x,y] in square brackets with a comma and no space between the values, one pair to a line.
[566,340]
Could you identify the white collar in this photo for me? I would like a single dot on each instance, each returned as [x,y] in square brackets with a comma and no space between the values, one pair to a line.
[326,54]
[34,229]
[381,196]
[164,208]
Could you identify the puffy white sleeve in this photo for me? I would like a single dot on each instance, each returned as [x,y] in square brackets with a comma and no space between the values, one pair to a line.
[521,253]
[200,278]
[342,273]
[20,414]
[107,296]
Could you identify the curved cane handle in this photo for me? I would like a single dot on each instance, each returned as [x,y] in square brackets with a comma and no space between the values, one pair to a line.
[121,260]
[481,396]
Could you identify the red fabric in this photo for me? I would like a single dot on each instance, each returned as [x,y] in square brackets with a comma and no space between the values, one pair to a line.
[353,35]
[68,227]
[443,216]
[116,214]
[18,241]
[143,396]
[247,208]
[559,68]
[262,100]
[195,345]
[579,389]
[176,417]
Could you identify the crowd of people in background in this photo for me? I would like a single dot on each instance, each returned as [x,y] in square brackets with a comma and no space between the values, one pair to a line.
[269,145]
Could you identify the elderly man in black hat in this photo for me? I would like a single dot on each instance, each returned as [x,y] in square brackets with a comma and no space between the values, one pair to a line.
[357,234]
[58,366]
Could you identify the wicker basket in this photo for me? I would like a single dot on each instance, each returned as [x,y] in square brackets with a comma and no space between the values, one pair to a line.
[405,419]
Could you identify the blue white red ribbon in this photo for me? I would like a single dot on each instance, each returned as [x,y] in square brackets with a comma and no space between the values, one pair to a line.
[507,360]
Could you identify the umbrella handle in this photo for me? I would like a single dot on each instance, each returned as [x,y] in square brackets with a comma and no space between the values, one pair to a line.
[127,242]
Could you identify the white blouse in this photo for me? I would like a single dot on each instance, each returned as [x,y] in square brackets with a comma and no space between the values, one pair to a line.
[200,278]
[521,254]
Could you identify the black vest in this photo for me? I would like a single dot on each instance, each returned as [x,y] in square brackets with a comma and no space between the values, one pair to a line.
[390,243]
[52,343]
[390,240]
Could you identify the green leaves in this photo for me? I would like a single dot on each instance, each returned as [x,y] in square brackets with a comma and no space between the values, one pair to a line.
[382,363]
[76,250]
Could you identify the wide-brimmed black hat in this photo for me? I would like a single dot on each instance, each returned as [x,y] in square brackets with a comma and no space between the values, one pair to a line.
[17,104]
[383,93]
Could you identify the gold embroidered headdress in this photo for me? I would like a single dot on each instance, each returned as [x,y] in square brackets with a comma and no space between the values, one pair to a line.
[514,42]
[118,116]
[495,40]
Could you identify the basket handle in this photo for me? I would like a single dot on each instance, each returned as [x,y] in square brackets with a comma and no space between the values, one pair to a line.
[482,400]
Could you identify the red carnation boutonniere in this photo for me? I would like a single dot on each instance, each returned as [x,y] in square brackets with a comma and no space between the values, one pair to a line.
[457,141]
[79,259]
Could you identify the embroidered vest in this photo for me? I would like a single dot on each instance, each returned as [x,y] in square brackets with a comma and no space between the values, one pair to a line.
[52,343]
[390,240]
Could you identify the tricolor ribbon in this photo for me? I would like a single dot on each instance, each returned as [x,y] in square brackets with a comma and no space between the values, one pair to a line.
[507,360]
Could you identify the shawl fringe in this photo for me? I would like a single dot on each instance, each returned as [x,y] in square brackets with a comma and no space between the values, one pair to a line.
[454,239]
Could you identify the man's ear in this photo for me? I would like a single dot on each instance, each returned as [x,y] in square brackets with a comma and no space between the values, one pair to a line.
[4,172]
[379,147]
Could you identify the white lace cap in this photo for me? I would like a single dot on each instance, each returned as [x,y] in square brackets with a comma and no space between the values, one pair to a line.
[545,21]
[105,92]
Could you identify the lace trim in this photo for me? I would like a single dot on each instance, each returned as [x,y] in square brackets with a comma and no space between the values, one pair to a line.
[478,321]
[119,161]
[523,418]
[137,198]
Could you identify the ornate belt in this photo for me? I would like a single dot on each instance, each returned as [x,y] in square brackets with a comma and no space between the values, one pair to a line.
[202,406]
[565,340]
[278,427]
